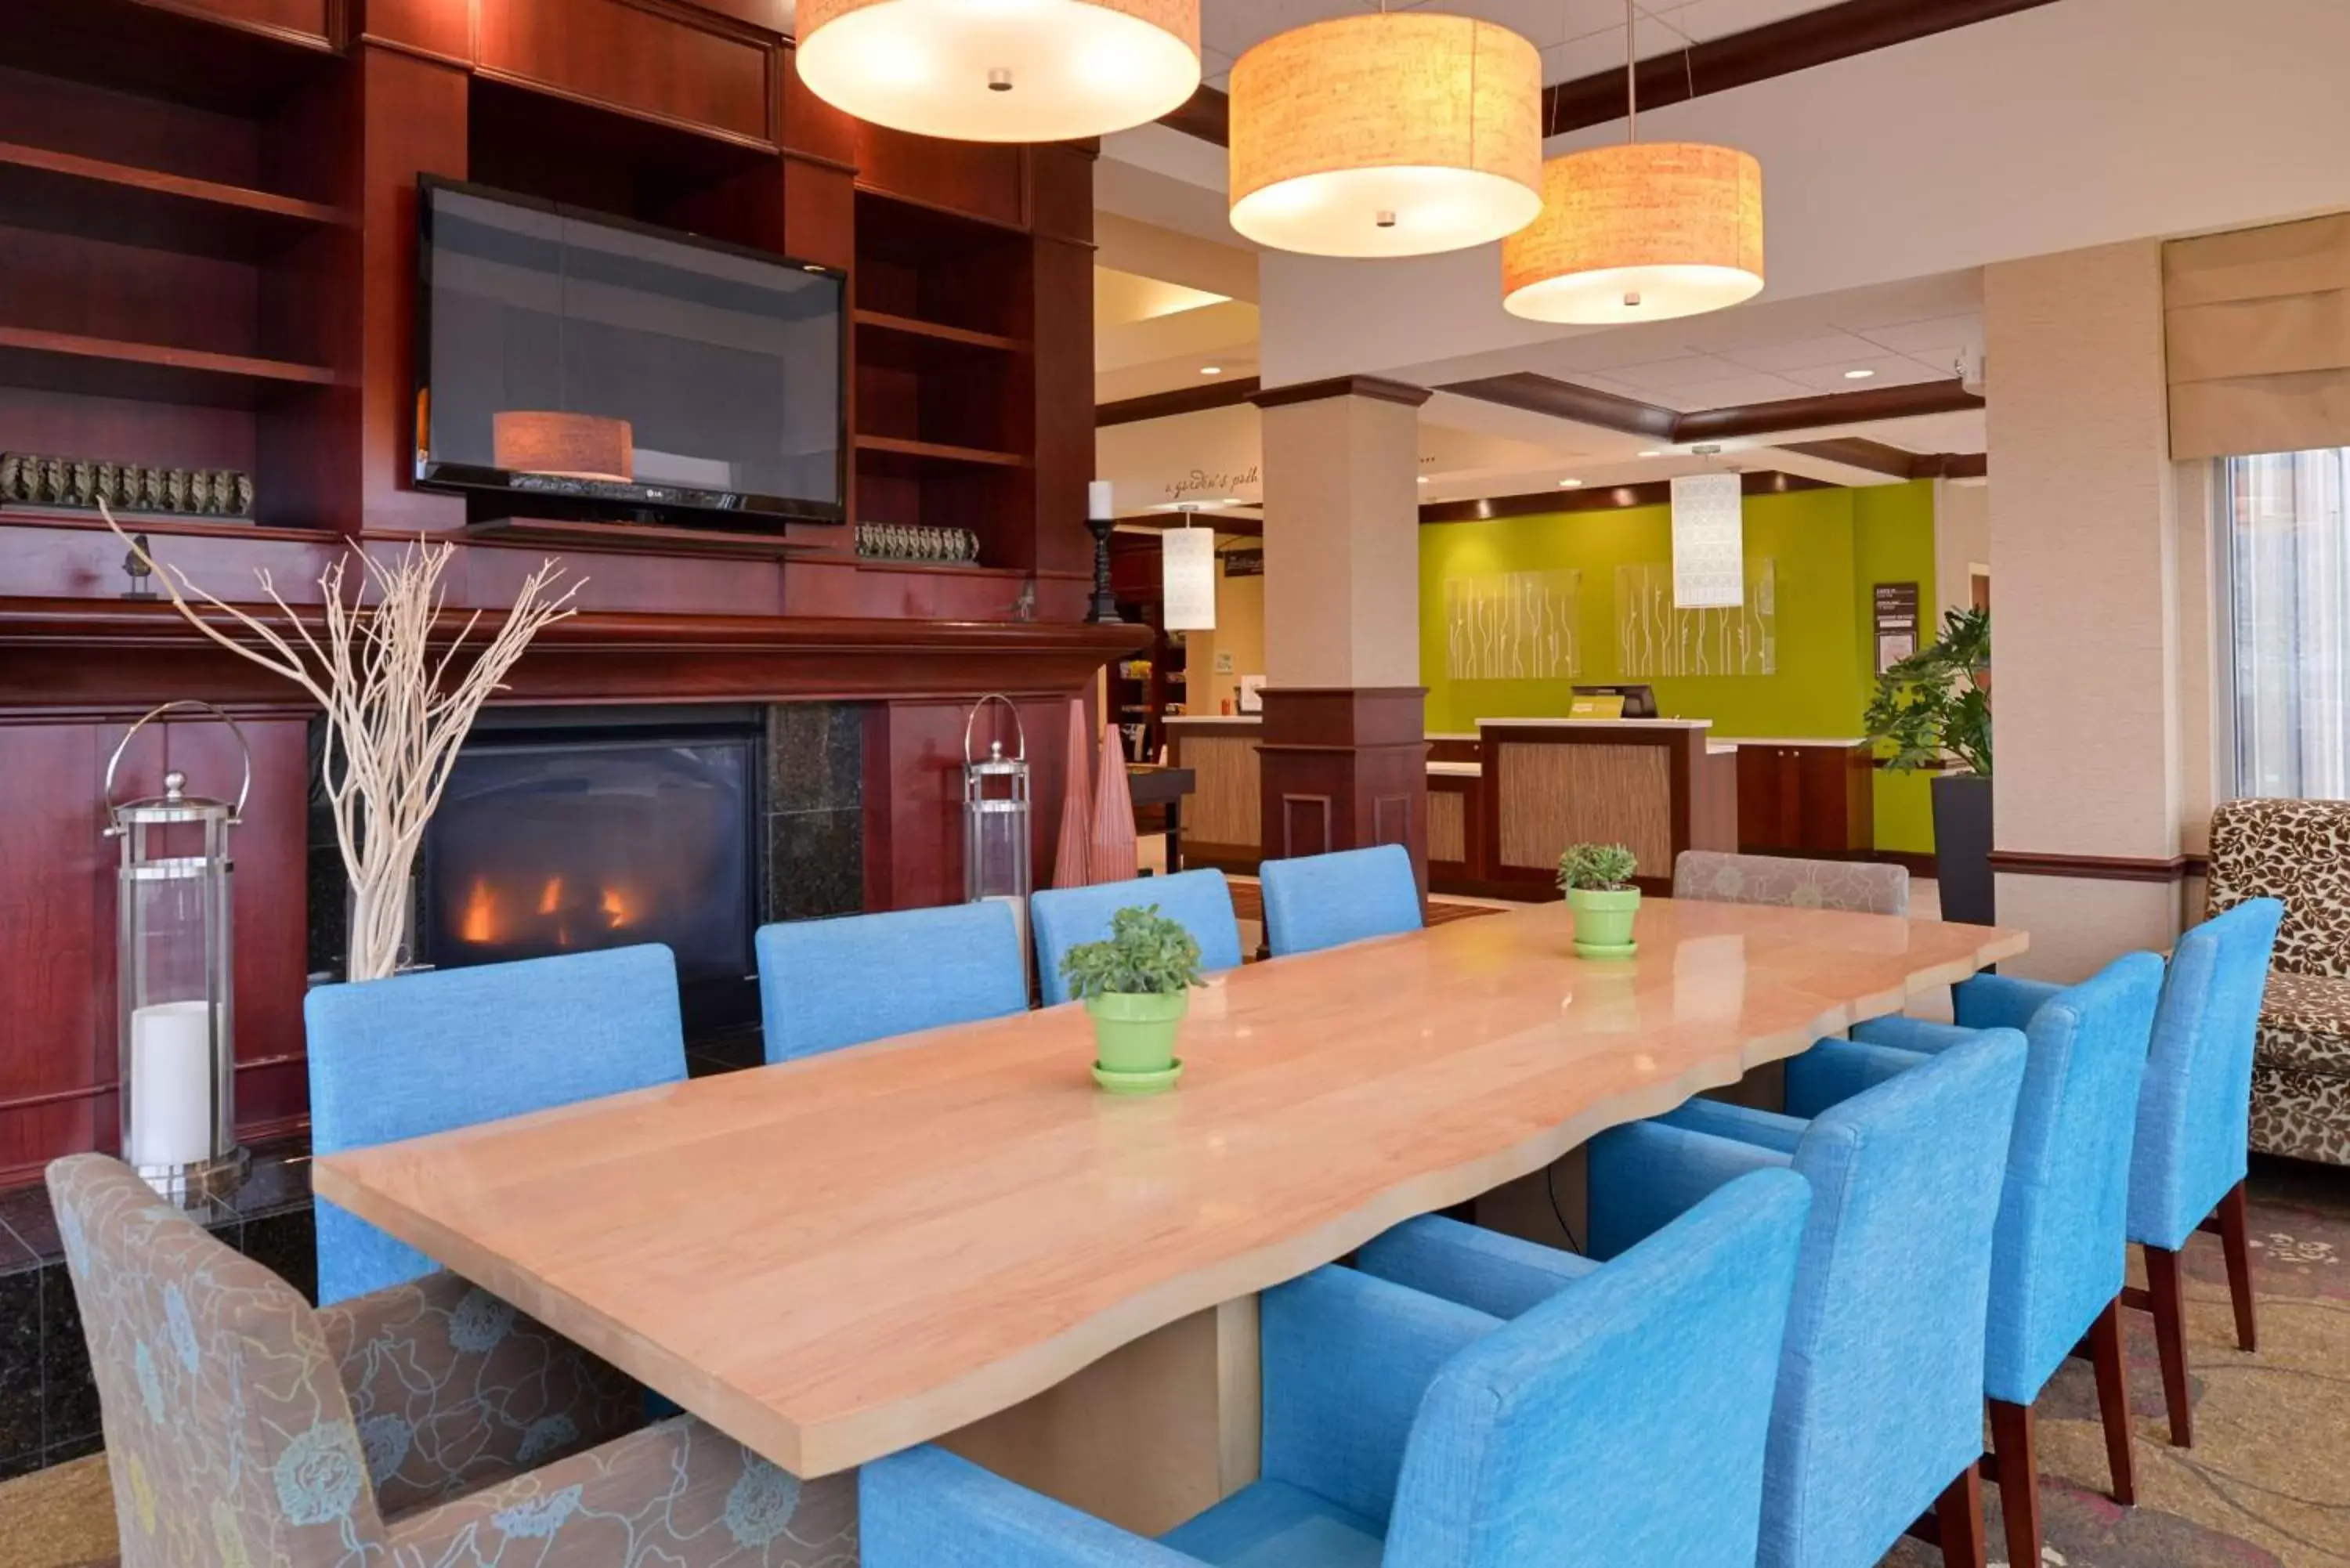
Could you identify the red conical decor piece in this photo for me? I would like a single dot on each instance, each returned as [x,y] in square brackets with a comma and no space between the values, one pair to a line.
[1073,856]
[1114,853]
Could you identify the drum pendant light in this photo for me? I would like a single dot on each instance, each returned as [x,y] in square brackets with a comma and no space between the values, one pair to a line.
[1639,231]
[1387,135]
[1002,70]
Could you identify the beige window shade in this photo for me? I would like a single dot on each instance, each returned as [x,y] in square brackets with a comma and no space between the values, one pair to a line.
[2258,324]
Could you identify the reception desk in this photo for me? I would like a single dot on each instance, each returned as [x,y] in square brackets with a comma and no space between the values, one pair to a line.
[1223,819]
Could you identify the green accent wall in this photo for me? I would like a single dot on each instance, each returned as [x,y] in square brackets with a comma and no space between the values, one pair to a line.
[1830,546]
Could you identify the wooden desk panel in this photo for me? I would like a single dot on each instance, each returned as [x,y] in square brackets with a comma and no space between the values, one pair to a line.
[836,1259]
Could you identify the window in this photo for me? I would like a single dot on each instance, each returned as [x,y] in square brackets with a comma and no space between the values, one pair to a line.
[2289,577]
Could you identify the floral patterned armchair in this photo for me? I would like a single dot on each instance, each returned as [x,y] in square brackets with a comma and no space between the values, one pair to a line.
[425,1424]
[2297,851]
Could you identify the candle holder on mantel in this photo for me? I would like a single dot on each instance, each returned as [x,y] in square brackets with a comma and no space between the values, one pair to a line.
[1101,515]
[175,964]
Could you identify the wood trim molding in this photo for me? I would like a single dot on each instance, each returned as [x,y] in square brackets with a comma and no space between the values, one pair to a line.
[2098,868]
[1377,388]
[1878,457]
[1182,400]
[1541,394]
[1609,498]
[1779,49]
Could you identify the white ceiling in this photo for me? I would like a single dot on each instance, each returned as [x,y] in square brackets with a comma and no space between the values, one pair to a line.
[1576,36]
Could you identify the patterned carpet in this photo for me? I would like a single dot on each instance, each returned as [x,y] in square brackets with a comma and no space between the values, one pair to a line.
[2268,1481]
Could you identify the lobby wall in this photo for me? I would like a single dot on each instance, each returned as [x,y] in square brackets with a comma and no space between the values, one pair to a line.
[1830,546]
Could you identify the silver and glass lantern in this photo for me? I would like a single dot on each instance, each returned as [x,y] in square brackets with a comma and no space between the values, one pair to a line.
[175,963]
[997,846]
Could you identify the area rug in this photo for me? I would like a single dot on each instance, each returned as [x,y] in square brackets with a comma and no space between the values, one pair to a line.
[2267,1484]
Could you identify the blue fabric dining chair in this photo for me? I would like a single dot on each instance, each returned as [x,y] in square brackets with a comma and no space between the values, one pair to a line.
[2060,1250]
[419,1053]
[1066,918]
[1316,901]
[825,984]
[1404,1430]
[2189,1169]
[1878,1415]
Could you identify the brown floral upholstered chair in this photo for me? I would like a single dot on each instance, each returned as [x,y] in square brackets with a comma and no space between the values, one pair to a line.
[2297,851]
[424,1425]
[1858,885]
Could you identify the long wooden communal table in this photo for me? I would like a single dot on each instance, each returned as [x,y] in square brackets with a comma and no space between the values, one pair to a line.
[954,1235]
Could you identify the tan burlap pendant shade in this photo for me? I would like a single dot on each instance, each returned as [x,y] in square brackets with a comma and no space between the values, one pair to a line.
[1645,231]
[1002,70]
[1386,134]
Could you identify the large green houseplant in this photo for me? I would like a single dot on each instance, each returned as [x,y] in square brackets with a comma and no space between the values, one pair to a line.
[1137,987]
[1932,710]
[1597,881]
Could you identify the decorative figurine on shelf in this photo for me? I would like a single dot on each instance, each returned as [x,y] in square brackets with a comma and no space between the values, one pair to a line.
[1101,515]
[135,567]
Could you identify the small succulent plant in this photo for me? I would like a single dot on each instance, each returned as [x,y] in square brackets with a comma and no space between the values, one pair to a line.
[1146,954]
[1597,867]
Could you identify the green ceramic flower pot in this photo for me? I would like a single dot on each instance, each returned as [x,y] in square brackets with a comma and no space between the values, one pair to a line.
[1136,1033]
[1603,920]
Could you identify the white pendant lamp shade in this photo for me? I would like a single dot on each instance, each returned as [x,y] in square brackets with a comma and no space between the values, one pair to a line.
[1002,70]
[1709,542]
[1188,585]
[1386,134]
[1644,231]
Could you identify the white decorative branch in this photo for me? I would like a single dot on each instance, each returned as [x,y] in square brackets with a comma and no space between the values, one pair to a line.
[395,716]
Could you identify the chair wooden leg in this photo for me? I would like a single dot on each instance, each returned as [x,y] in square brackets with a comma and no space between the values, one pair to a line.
[2019,1480]
[2113,1400]
[2235,1239]
[2169,1303]
[1958,1521]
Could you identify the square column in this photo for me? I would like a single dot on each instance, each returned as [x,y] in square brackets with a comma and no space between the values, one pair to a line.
[1342,758]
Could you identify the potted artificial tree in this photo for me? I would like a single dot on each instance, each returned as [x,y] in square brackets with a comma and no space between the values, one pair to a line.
[1137,986]
[1598,880]
[1933,709]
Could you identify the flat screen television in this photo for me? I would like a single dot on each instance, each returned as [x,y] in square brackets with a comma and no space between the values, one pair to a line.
[589,367]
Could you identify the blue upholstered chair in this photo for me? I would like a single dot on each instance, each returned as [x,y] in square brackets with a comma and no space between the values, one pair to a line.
[1620,1423]
[1879,1416]
[2060,1251]
[1317,901]
[419,1053]
[824,984]
[2188,1171]
[1066,918]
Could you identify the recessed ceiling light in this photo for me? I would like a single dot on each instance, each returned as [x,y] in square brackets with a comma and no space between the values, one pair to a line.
[1570,485]
[1652,453]
[1212,369]
[1858,375]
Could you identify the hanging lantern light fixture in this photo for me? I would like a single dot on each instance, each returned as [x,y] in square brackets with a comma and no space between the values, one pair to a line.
[1002,70]
[1639,231]
[1188,576]
[1386,134]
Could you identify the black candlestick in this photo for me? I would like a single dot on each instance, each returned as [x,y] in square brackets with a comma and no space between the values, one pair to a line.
[1105,607]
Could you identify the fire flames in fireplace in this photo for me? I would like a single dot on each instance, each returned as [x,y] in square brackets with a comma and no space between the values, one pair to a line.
[562,914]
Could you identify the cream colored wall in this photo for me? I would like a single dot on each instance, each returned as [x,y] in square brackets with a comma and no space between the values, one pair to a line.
[1961,540]
[1342,544]
[2094,660]
[1240,631]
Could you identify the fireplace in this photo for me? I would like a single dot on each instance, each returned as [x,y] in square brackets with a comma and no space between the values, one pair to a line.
[556,836]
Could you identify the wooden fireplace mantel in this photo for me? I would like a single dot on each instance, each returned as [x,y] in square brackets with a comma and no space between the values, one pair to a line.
[66,656]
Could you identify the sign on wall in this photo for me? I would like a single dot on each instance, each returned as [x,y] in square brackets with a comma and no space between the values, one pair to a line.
[1896,609]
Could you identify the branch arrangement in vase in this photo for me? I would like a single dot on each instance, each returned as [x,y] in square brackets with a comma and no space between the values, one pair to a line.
[1935,705]
[396,708]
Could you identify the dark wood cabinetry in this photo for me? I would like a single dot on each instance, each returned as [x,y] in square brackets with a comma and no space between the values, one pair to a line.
[1809,799]
[208,259]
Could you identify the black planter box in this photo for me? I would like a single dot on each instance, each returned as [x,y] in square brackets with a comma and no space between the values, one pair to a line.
[1963,848]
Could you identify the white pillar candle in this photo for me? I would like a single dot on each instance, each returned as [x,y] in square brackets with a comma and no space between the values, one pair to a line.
[1100,501]
[171,1084]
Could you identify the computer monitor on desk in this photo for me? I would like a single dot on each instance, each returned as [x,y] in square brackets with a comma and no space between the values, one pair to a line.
[1639,701]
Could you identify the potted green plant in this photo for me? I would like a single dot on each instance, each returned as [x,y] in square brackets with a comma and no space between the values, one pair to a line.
[1598,880]
[1137,986]
[1933,709]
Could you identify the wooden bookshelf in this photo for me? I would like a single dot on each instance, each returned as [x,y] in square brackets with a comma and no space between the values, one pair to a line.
[97,199]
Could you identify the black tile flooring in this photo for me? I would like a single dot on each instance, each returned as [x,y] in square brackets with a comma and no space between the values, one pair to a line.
[48,1402]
